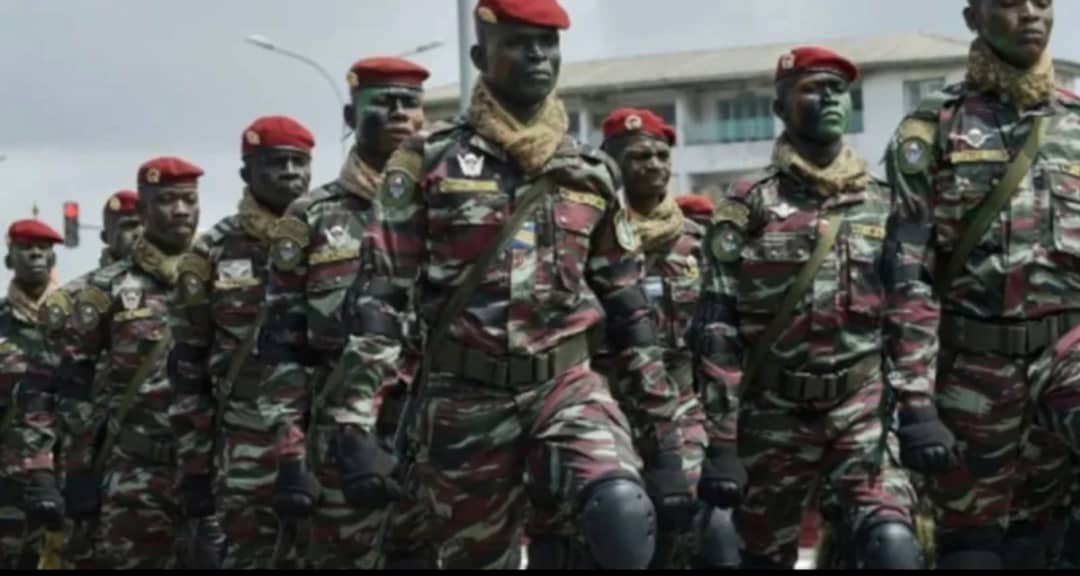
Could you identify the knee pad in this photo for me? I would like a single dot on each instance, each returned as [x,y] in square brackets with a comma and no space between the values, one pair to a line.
[971,549]
[618,522]
[718,540]
[889,545]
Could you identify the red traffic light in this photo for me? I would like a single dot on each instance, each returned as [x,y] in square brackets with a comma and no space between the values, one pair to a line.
[71,210]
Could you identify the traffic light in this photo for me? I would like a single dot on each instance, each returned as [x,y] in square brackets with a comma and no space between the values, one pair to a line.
[71,224]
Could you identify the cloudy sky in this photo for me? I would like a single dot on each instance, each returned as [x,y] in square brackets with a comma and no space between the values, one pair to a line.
[92,88]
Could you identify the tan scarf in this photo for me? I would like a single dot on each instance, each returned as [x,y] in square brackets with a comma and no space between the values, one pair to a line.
[359,178]
[155,262]
[531,144]
[1026,88]
[847,173]
[255,219]
[663,225]
[26,307]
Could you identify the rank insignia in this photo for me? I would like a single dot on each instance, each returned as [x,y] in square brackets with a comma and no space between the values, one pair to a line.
[131,297]
[472,165]
[238,273]
[975,138]
[337,237]
[625,234]
[725,243]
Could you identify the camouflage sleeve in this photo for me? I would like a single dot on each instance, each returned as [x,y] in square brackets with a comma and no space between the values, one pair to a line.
[912,310]
[721,351]
[191,413]
[283,344]
[379,305]
[34,424]
[80,345]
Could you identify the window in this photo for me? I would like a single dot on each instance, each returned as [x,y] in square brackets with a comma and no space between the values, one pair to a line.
[916,90]
[857,123]
[745,118]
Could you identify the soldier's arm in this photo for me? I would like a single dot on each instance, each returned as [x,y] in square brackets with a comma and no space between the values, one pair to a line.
[191,413]
[35,425]
[913,313]
[379,305]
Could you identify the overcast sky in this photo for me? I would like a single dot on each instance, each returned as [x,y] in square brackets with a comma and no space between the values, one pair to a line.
[92,88]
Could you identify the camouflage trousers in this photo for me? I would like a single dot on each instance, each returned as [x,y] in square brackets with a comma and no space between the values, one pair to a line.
[485,454]
[139,515]
[19,543]
[1040,499]
[790,448]
[246,498]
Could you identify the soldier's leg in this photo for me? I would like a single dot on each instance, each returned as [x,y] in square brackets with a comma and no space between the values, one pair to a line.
[583,473]
[1069,556]
[782,449]
[12,535]
[711,543]
[138,517]
[1038,502]
[982,399]
[246,499]
[470,468]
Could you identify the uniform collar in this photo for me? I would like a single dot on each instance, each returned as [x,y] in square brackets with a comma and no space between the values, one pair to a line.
[255,218]
[359,178]
[846,174]
[1025,88]
[154,262]
[531,144]
[26,308]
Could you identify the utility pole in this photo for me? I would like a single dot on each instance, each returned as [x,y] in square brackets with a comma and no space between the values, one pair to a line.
[466,39]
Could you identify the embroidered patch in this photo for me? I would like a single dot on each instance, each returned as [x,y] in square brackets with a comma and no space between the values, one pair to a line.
[734,212]
[328,255]
[459,186]
[869,231]
[56,311]
[397,190]
[725,242]
[915,137]
[974,156]
[91,304]
[194,273]
[288,238]
[137,314]
[625,234]
[593,200]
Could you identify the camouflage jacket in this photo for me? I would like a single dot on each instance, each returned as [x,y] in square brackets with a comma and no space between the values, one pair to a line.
[763,236]
[944,161]
[444,200]
[25,387]
[113,323]
[221,289]
[314,259]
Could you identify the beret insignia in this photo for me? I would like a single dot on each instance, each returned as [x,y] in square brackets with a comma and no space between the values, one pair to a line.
[114,204]
[353,80]
[634,122]
[487,15]
[153,176]
[252,138]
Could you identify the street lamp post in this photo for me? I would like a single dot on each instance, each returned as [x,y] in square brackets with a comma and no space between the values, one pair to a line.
[466,38]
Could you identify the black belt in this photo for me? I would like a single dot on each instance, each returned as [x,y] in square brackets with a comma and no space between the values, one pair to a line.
[1019,339]
[146,448]
[806,387]
[510,372]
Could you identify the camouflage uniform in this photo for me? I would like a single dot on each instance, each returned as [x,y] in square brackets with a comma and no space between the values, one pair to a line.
[28,442]
[512,410]
[222,289]
[814,413]
[112,324]
[315,259]
[1017,292]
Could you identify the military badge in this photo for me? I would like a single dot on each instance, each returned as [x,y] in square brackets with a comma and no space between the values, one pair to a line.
[236,270]
[734,212]
[397,188]
[55,313]
[914,156]
[783,211]
[86,317]
[787,61]
[725,243]
[92,303]
[289,237]
[153,176]
[131,298]
[634,122]
[286,256]
[114,204]
[975,138]
[625,234]
[337,237]
[353,80]
[192,289]
[472,165]
[486,15]
[252,138]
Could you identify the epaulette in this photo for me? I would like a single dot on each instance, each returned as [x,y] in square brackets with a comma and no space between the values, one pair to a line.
[742,188]
[226,228]
[302,205]
[104,278]
[930,107]
[444,129]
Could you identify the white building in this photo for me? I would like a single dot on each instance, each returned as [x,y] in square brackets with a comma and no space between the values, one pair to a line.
[720,101]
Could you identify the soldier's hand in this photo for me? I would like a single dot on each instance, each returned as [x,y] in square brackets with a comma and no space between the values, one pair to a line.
[206,548]
[82,496]
[670,490]
[926,444]
[367,471]
[296,491]
[42,502]
[723,478]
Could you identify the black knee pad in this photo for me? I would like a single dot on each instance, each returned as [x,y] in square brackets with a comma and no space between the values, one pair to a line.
[889,545]
[718,540]
[971,549]
[618,522]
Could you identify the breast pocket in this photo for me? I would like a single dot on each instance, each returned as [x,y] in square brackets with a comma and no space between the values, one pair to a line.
[962,188]
[574,226]
[1065,207]
[461,228]
[864,289]
[769,266]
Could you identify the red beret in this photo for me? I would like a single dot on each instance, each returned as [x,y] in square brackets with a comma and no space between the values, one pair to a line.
[628,120]
[384,71]
[545,13]
[277,132]
[815,59]
[32,231]
[694,205]
[123,202]
[169,171]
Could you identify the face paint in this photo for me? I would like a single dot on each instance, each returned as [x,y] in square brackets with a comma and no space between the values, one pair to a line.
[32,262]
[386,116]
[1018,30]
[170,216]
[645,163]
[818,107]
[522,62]
[279,176]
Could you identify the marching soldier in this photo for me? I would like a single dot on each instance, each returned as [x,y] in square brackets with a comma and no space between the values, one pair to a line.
[122,486]
[509,242]
[223,438]
[792,335]
[314,258]
[30,496]
[120,227]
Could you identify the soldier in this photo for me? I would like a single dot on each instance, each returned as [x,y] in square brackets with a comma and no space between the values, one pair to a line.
[315,256]
[121,227]
[29,492]
[792,334]
[223,439]
[117,322]
[511,240]
[984,235]
[700,209]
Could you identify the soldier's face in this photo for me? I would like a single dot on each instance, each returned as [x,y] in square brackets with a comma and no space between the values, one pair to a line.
[31,262]
[646,166]
[277,176]
[170,216]
[386,116]
[1018,30]
[520,63]
[817,107]
[121,232]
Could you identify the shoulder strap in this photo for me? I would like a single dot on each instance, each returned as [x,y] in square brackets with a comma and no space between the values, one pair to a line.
[240,359]
[980,220]
[792,298]
[141,374]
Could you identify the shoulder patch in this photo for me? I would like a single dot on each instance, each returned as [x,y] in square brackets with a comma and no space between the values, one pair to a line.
[289,237]
[402,177]
[194,273]
[724,241]
[915,141]
[56,311]
[90,305]
[736,213]
[624,232]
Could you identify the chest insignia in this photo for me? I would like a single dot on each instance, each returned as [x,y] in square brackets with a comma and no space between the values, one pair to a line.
[472,165]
